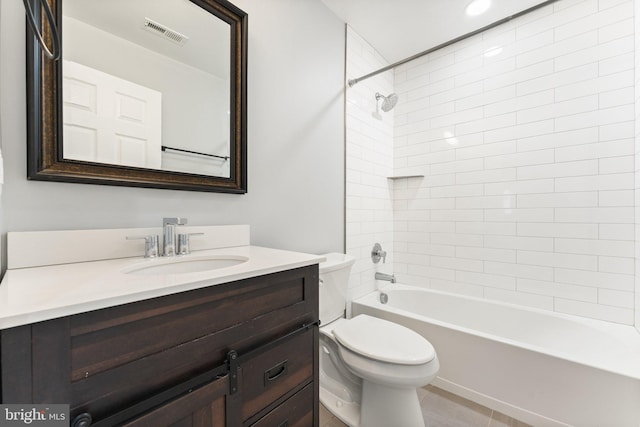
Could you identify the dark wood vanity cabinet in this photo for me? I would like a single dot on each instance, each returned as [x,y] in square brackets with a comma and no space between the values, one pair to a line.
[235,354]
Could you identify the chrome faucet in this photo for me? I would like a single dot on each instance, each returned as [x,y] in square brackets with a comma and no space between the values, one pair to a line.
[169,235]
[388,277]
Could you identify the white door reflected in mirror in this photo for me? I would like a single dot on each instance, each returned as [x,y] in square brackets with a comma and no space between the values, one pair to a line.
[110,120]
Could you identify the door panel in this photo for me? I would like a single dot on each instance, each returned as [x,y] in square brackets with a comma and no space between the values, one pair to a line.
[110,120]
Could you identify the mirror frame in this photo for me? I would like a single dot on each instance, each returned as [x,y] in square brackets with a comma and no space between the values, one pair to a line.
[45,160]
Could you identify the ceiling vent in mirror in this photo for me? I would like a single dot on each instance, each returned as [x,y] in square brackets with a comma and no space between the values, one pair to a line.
[165,32]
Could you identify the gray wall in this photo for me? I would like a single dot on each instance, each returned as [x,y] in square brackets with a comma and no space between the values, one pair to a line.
[296,144]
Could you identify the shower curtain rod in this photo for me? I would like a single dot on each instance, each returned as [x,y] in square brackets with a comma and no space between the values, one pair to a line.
[352,82]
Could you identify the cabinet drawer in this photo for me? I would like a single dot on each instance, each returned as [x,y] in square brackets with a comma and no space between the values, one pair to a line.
[270,375]
[297,411]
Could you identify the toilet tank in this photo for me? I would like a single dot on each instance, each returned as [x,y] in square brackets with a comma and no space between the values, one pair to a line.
[334,279]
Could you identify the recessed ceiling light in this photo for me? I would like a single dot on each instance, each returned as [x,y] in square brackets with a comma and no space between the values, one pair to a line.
[478,7]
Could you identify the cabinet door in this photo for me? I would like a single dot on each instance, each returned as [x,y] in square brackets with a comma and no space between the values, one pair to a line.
[201,407]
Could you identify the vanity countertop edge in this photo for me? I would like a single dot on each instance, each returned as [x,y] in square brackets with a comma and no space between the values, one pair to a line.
[30,295]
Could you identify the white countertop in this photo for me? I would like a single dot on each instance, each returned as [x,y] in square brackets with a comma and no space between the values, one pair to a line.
[29,295]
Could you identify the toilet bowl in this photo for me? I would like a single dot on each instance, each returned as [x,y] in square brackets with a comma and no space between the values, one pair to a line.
[369,367]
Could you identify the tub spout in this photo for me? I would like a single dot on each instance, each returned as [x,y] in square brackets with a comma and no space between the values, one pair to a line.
[388,277]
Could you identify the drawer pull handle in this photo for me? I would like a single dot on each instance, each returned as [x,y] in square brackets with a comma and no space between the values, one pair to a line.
[276,372]
[285,423]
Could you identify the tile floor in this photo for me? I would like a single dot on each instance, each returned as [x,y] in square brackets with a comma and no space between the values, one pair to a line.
[443,409]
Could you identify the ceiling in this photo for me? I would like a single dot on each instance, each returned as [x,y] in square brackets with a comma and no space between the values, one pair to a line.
[398,29]
[125,19]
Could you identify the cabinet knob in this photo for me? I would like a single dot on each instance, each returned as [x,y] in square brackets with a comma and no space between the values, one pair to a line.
[82,420]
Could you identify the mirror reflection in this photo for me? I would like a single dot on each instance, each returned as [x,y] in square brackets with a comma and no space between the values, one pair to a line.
[146,83]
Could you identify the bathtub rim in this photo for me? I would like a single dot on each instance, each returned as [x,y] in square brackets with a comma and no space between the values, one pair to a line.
[621,332]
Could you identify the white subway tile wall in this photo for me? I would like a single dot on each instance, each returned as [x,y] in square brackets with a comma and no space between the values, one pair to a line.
[369,161]
[525,136]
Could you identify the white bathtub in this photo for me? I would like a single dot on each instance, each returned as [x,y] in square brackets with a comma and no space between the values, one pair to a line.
[540,367]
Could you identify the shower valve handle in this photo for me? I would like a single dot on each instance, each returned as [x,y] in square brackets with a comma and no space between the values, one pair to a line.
[377,253]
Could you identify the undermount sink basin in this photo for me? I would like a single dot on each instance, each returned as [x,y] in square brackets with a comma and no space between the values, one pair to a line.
[186,265]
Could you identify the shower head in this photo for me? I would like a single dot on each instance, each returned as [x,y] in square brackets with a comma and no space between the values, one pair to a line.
[388,102]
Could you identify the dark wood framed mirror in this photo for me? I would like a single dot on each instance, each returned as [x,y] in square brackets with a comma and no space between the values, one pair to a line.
[149,93]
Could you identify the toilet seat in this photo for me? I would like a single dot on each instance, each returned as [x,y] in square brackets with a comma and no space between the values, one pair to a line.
[383,341]
[389,374]
[384,352]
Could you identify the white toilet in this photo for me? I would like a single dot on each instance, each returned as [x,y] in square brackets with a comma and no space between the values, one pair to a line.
[369,367]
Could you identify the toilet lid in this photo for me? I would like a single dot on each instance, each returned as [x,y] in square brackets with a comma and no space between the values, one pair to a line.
[384,341]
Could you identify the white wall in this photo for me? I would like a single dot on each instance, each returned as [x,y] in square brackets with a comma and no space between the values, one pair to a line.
[637,162]
[369,163]
[528,157]
[296,143]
